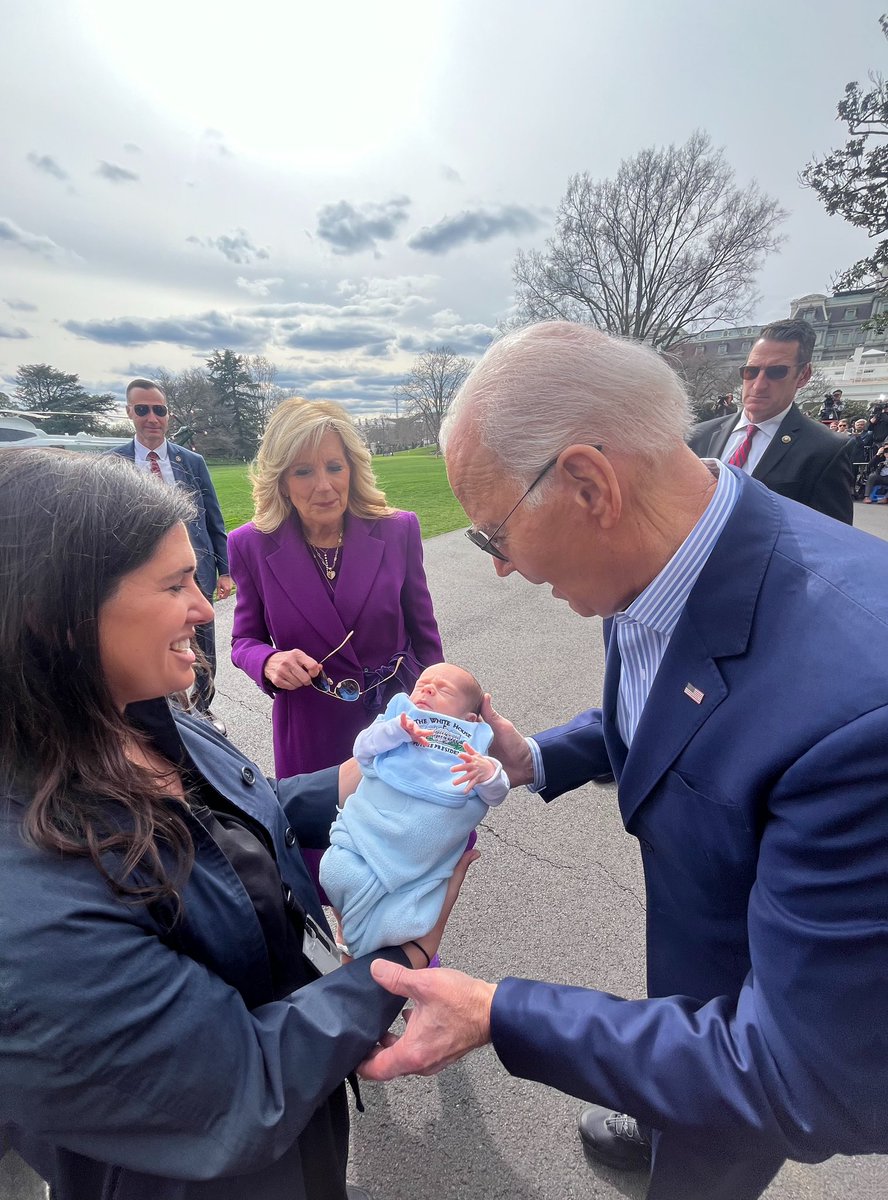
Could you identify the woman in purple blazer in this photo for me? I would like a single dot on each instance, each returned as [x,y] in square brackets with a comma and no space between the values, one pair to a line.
[325,557]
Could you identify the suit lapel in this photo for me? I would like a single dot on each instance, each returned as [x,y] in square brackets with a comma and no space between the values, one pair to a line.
[616,747]
[361,560]
[671,715]
[785,441]
[292,566]
[722,436]
[715,624]
[181,472]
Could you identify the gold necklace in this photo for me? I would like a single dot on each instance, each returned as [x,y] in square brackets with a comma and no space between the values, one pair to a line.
[320,555]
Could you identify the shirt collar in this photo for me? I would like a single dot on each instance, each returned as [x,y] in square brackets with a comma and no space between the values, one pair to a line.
[661,603]
[162,451]
[155,718]
[769,427]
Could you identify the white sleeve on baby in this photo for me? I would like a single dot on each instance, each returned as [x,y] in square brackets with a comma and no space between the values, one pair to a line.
[377,738]
[495,789]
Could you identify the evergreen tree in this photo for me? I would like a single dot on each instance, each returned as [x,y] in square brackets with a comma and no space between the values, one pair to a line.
[40,388]
[238,395]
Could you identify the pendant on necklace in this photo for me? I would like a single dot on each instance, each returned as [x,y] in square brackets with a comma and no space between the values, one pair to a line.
[330,573]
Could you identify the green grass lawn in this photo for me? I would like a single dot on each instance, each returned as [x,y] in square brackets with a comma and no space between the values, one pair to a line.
[414,479]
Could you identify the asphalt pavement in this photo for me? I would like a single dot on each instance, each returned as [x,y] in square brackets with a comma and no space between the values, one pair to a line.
[557,895]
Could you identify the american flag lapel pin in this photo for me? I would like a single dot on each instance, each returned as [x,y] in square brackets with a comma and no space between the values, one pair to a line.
[694,692]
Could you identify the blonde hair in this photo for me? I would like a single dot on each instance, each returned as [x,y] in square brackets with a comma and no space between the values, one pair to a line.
[298,426]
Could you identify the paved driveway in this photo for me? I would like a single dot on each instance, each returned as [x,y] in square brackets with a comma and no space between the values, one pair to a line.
[557,895]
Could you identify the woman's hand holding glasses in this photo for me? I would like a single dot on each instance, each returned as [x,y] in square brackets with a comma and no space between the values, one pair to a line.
[291,669]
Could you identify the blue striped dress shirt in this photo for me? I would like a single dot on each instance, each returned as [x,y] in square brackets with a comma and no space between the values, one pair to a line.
[643,630]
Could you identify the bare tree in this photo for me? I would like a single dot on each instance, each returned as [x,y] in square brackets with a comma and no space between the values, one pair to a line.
[810,398]
[196,412]
[705,383]
[436,377]
[668,247]
[263,372]
[385,433]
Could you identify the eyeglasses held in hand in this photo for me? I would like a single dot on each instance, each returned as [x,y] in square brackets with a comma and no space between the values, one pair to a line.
[779,372]
[347,689]
[142,410]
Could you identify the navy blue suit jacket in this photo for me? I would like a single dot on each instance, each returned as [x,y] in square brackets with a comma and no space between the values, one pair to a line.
[762,818]
[207,530]
[156,1065]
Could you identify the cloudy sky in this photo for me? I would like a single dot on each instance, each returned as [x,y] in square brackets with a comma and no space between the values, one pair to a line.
[339,186]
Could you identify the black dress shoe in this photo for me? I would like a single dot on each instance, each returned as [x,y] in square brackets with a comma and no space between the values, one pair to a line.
[614,1139]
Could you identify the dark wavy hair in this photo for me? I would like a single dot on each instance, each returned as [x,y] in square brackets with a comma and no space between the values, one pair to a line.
[792,331]
[71,528]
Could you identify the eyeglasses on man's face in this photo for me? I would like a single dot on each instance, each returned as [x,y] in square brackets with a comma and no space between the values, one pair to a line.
[347,689]
[485,541]
[142,410]
[748,371]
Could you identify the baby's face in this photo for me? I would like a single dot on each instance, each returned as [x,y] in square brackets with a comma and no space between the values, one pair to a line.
[442,688]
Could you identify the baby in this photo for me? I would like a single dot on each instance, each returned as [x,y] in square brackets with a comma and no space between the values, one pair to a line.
[394,845]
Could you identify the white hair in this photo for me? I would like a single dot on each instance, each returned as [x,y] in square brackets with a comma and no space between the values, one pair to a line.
[546,386]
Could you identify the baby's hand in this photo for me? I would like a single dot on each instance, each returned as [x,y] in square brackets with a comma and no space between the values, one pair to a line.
[474,769]
[416,734]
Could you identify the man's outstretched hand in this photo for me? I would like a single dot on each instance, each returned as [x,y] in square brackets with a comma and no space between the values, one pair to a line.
[508,745]
[450,1017]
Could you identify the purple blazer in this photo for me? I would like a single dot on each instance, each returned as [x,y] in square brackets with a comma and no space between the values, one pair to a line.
[284,604]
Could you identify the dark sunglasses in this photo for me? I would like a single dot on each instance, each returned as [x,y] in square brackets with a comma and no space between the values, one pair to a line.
[347,689]
[142,410]
[781,372]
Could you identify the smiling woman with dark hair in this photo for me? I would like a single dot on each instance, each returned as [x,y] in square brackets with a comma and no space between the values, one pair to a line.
[173,1022]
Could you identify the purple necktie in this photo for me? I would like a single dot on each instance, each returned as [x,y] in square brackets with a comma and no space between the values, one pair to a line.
[740,455]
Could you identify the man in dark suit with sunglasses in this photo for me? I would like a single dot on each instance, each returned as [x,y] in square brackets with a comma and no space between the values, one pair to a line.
[771,439]
[150,451]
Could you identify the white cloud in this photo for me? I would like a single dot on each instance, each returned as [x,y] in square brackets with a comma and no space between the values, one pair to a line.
[238,247]
[258,287]
[34,243]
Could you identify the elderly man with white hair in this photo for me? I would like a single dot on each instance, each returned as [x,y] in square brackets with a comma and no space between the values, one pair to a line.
[750,767]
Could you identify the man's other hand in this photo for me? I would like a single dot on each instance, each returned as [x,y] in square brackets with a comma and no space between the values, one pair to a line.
[508,745]
[450,1017]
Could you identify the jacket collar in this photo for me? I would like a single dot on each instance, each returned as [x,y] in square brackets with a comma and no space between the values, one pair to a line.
[331,615]
[716,623]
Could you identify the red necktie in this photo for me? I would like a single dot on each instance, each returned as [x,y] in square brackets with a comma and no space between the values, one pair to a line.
[154,458]
[740,455]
